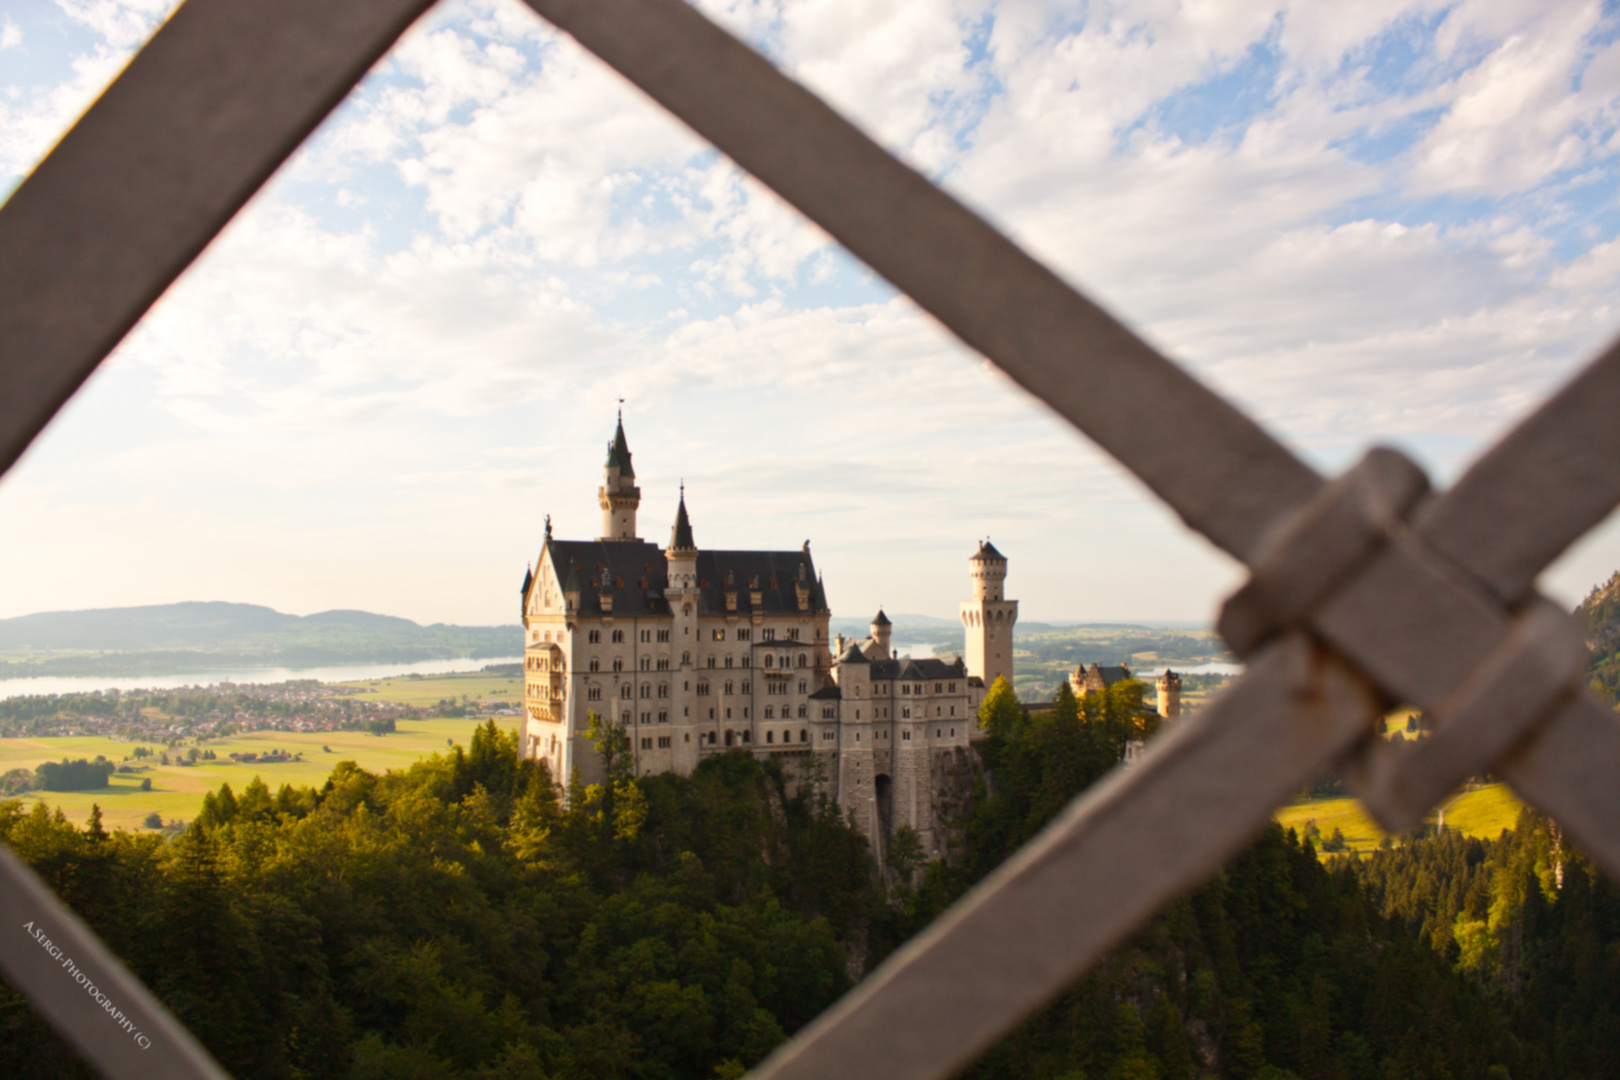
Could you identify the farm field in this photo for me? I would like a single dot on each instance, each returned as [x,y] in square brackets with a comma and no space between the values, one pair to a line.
[1484,812]
[432,689]
[177,791]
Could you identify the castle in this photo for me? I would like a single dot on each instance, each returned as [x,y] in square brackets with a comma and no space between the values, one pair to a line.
[697,652]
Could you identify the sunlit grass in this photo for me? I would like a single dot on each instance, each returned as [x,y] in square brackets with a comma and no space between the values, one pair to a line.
[177,791]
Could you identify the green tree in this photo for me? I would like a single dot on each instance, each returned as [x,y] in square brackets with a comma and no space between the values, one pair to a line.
[1000,713]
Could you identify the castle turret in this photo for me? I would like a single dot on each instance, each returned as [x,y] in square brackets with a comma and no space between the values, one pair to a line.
[618,495]
[988,618]
[1169,695]
[881,627]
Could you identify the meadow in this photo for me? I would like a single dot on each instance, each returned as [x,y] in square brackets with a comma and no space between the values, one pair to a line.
[177,790]
[1482,811]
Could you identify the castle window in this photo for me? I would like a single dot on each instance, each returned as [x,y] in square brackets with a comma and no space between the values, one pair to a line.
[663,717]
[857,736]
[627,691]
[770,712]
[804,736]
[857,714]
[953,688]
[645,717]
[703,689]
[786,661]
[646,689]
[905,688]
[711,714]
[728,689]
[593,693]
[646,663]
[618,663]
[770,736]
[939,688]
[826,712]
[618,637]
[663,689]
[663,663]
[801,686]
[906,735]
[711,661]
[747,736]
[594,636]
[793,634]
[663,635]
[905,714]
[804,661]
[745,708]
[663,742]
[646,636]
[728,714]
[804,711]
[686,659]
[720,634]
[767,634]
[953,710]
[743,634]
[596,665]
[953,733]
[770,660]
[827,736]
[729,659]
[745,660]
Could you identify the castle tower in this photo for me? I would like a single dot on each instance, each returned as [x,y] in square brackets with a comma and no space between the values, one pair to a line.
[690,715]
[1169,695]
[987,619]
[881,627]
[618,495]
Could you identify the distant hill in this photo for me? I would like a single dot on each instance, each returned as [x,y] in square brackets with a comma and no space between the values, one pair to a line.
[203,636]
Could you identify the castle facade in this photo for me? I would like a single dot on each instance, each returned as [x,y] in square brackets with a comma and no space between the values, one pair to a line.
[698,652]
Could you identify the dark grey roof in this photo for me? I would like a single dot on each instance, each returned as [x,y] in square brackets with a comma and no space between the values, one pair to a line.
[528,579]
[881,619]
[853,655]
[619,451]
[680,537]
[987,553]
[830,692]
[636,573]
[1112,674]
[906,668]
[633,572]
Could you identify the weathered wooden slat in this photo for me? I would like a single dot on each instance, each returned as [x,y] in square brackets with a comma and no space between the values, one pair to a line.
[1115,856]
[201,117]
[1225,476]
[85,992]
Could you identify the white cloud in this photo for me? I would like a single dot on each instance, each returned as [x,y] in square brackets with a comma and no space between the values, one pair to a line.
[407,349]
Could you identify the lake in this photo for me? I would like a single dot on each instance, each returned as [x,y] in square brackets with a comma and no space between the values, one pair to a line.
[76,684]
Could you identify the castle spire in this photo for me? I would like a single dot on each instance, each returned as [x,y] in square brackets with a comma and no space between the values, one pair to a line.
[618,496]
[680,538]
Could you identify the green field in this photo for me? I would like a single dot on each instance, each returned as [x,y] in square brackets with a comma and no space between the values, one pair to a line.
[432,689]
[177,791]
[1484,812]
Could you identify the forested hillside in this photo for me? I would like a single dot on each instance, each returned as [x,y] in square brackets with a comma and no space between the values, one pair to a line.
[188,637]
[454,922]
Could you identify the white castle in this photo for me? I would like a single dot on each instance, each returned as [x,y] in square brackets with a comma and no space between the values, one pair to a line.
[699,652]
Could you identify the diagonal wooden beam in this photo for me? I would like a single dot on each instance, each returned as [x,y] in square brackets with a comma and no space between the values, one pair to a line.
[1115,856]
[1225,476]
[219,98]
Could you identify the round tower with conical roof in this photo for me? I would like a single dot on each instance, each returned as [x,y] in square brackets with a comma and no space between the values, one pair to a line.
[988,618]
[881,627]
[619,496]
[1169,695]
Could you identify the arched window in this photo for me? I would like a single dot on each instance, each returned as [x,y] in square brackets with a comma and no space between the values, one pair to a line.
[618,663]
[768,660]
[804,661]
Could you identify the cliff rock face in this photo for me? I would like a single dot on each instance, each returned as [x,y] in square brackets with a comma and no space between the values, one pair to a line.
[954,773]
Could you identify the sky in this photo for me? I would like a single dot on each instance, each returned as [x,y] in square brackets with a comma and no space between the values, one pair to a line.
[1377,222]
